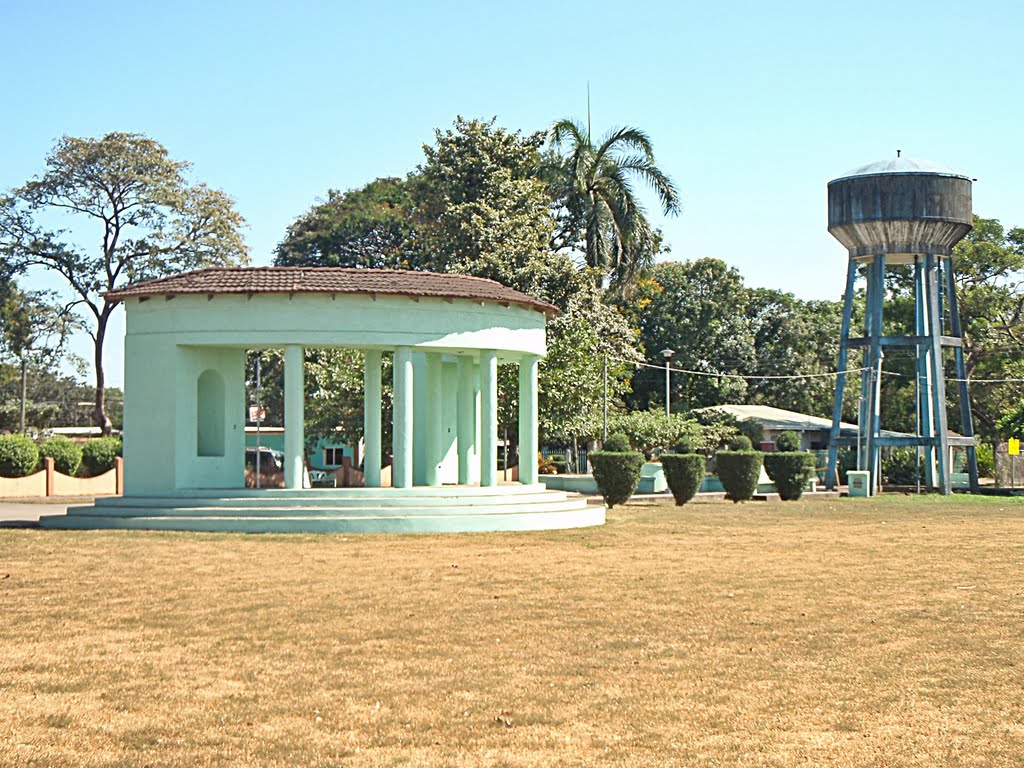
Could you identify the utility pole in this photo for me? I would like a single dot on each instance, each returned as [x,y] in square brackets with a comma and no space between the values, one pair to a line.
[667,354]
[604,432]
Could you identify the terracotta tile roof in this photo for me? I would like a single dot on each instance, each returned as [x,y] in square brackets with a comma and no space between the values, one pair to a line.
[334,280]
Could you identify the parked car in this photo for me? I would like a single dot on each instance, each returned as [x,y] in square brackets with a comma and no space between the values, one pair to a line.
[271,468]
[270,460]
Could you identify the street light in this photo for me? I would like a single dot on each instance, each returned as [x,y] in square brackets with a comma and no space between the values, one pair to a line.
[667,354]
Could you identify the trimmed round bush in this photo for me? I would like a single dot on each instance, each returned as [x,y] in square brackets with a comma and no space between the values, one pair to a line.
[98,455]
[617,443]
[19,456]
[787,442]
[67,456]
[790,472]
[741,443]
[739,472]
[617,474]
[684,474]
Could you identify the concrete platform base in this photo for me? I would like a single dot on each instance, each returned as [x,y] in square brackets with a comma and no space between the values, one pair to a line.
[445,509]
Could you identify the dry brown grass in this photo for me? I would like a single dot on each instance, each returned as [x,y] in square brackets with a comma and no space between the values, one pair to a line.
[842,633]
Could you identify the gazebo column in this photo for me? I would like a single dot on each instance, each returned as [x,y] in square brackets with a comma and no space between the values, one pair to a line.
[529,441]
[488,417]
[294,416]
[433,420]
[401,470]
[371,418]
[468,408]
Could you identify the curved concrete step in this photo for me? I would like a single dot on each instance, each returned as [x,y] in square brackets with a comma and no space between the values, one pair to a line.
[586,515]
[304,510]
[313,501]
[509,489]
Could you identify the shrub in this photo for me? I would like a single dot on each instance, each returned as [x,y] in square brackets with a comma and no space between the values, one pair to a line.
[19,456]
[787,442]
[741,443]
[846,460]
[617,443]
[98,455]
[684,473]
[986,460]
[617,474]
[67,456]
[898,467]
[561,467]
[686,446]
[652,430]
[739,472]
[790,471]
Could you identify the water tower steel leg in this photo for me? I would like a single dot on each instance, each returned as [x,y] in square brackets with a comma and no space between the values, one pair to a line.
[922,368]
[938,383]
[876,297]
[864,403]
[837,405]
[966,419]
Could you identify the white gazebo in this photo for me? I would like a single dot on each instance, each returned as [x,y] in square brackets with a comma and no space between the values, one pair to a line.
[185,398]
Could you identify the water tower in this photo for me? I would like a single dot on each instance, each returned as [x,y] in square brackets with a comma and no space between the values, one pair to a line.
[903,212]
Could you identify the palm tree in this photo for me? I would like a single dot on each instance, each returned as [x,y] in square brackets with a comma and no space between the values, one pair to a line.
[595,185]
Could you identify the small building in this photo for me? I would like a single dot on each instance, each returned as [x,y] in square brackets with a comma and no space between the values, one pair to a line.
[813,430]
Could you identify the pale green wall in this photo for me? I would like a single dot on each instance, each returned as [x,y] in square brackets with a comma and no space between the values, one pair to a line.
[313,320]
[192,470]
[150,414]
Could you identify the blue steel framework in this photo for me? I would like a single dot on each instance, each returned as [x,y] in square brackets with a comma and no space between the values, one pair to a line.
[934,293]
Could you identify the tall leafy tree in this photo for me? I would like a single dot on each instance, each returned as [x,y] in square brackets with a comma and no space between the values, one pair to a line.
[595,184]
[790,337]
[476,205]
[150,221]
[33,332]
[699,310]
[368,227]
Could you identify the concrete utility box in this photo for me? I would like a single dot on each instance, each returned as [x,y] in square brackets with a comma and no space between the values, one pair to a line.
[859,482]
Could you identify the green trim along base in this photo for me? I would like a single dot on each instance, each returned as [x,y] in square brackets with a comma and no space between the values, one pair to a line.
[446,509]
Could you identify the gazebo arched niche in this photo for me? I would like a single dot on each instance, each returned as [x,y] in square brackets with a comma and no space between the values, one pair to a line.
[447,333]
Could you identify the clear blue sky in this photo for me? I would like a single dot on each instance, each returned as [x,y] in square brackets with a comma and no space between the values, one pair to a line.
[752,107]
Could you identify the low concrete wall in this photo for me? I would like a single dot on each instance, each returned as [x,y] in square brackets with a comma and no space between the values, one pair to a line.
[30,486]
[49,482]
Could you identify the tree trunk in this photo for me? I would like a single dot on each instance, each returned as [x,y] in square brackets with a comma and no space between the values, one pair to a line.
[99,413]
[24,391]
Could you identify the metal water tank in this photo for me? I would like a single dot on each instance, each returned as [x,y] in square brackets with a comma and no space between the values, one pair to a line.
[900,207]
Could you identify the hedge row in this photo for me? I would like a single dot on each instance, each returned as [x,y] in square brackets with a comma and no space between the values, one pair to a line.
[20,456]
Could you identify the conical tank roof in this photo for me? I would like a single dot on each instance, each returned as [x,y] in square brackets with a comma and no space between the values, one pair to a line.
[901,165]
